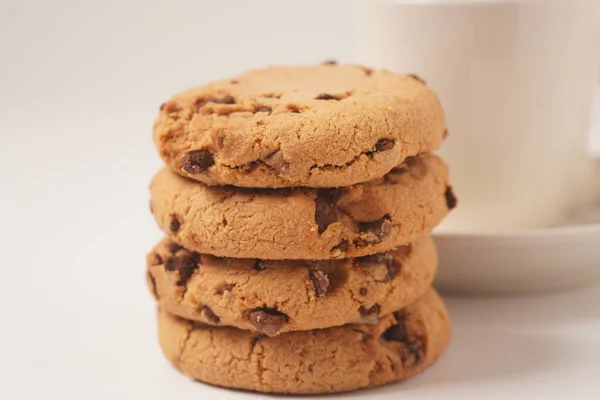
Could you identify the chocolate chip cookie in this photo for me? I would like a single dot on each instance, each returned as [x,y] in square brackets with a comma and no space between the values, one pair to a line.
[304,223]
[320,126]
[319,361]
[272,297]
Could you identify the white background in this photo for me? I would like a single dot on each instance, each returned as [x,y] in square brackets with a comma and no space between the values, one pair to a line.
[80,85]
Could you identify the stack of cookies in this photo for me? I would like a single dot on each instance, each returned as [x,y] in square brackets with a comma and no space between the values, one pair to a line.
[297,205]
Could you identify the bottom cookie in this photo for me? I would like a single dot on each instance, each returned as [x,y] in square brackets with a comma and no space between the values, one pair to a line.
[329,360]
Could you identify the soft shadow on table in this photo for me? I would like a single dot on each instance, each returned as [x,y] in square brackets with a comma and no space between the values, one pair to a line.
[480,356]
[540,309]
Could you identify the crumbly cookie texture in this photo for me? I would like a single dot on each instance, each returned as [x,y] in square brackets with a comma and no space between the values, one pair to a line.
[304,223]
[272,297]
[320,126]
[320,361]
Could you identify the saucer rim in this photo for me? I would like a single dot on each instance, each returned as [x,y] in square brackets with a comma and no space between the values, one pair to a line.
[551,231]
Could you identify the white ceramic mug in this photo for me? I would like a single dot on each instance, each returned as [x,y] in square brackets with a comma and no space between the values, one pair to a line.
[517,80]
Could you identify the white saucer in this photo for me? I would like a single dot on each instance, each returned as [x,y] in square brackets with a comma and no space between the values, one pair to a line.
[520,261]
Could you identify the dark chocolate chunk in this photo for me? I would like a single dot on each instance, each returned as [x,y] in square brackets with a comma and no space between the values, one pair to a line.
[414,348]
[362,291]
[397,332]
[258,266]
[228,99]
[197,161]
[384,144]
[381,258]
[267,320]
[174,247]
[379,229]
[451,200]
[262,109]
[367,71]
[210,315]
[418,78]
[369,314]
[174,224]
[326,96]
[341,246]
[184,264]
[277,161]
[411,161]
[326,213]
[319,280]
[226,287]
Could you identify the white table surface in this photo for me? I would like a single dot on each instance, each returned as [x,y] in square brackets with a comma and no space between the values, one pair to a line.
[80,85]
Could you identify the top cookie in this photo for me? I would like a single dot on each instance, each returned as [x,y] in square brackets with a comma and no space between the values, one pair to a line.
[321,126]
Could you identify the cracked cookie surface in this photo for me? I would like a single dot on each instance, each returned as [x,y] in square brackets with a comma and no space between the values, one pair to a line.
[319,126]
[304,223]
[329,360]
[273,297]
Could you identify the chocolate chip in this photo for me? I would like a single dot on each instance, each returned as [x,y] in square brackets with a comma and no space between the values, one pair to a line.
[445,133]
[362,291]
[376,230]
[197,257]
[367,71]
[277,161]
[267,320]
[151,210]
[383,259]
[234,82]
[319,280]
[341,246]
[210,315]
[175,223]
[418,78]
[411,161]
[197,161]
[369,315]
[258,266]
[152,282]
[398,171]
[153,259]
[162,106]
[397,332]
[226,287]
[184,264]
[228,99]
[247,168]
[326,213]
[294,108]
[325,96]
[451,200]
[384,144]
[332,195]
[415,349]
[174,247]
[330,62]
[262,109]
